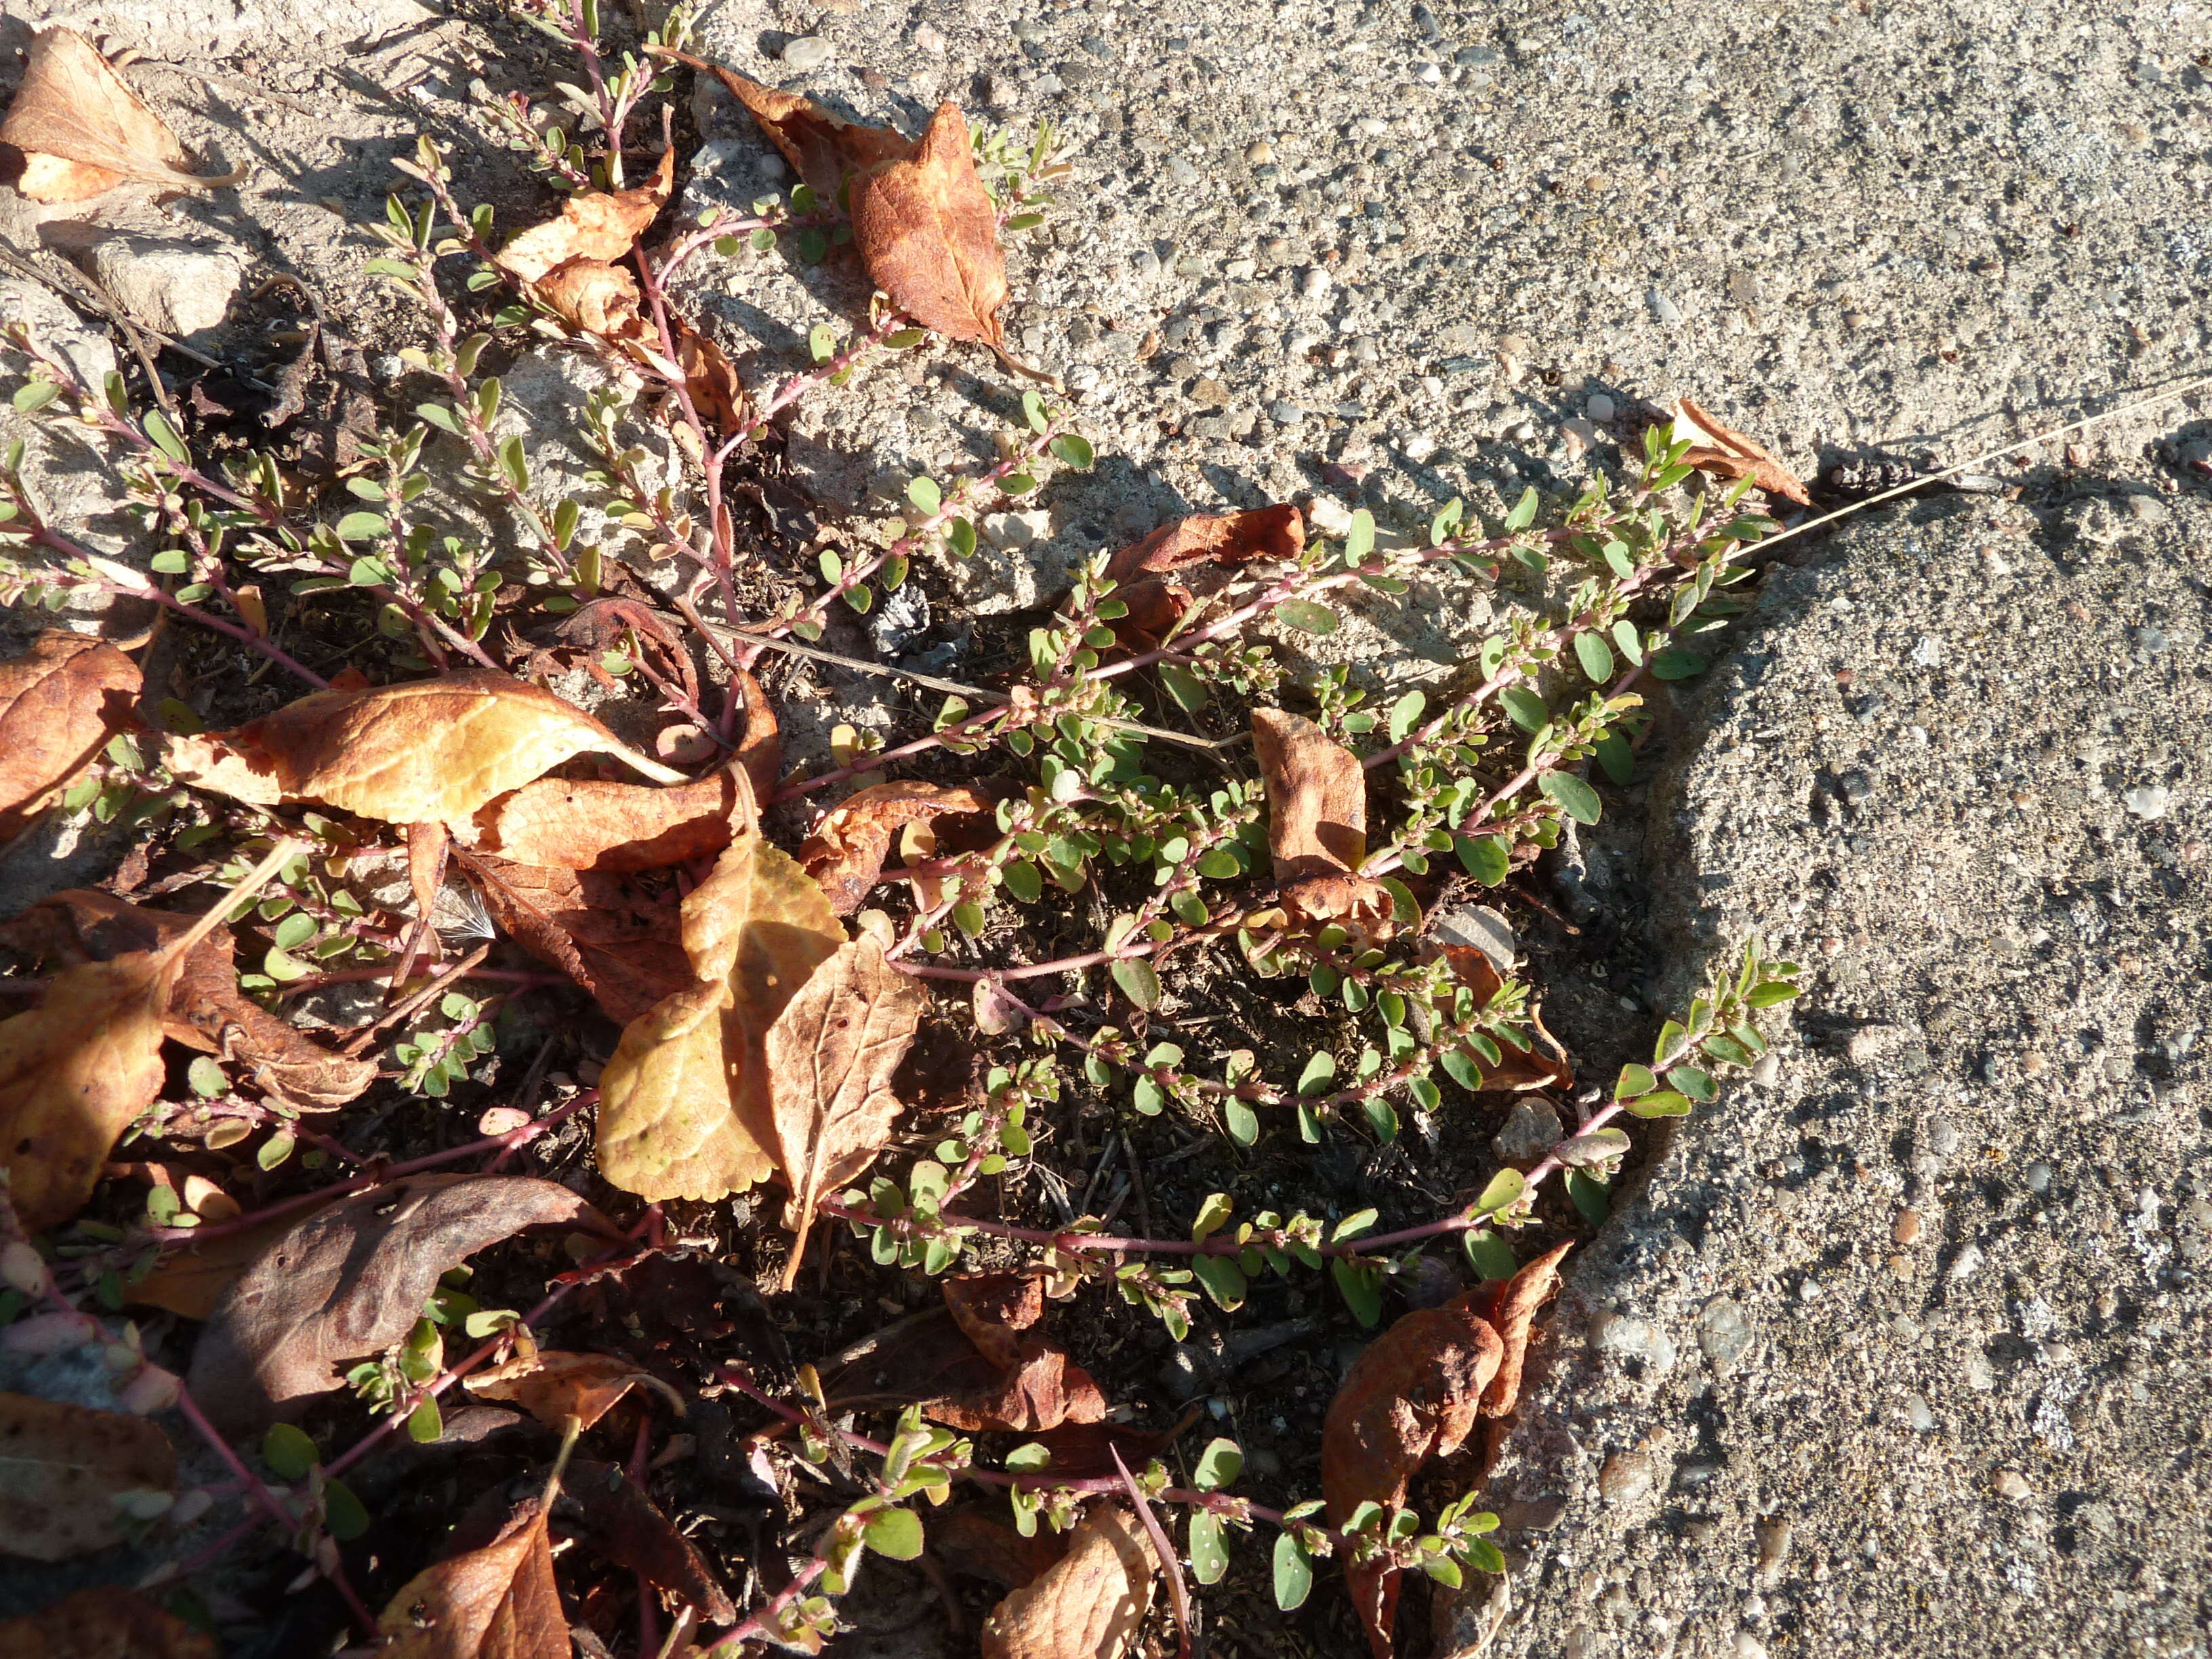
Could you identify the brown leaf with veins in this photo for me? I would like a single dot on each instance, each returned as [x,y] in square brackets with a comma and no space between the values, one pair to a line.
[1088,1605]
[1317,826]
[498,1602]
[831,1055]
[62,1469]
[616,941]
[427,749]
[554,1387]
[930,236]
[593,225]
[191,1281]
[711,379]
[350,1281]
[822,147]
[1414,1394]
[1725,452]
[206,1010]
[684,1107]
[846,851]
[975,1542]
[594,298]
[83,132]
[589,825]
[106,1622]
[1156,603]
[60,702]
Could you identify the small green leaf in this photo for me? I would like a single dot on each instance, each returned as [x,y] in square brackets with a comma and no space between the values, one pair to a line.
[362,526]
[1630,642]
[1223,1278]
[925,495]
[342,1511]
[288,1452]
[1572,795]
[1594,655]
[1406,714]
[1490,1255]
[1634,1080]
[1307,617]
[1590,1197]
[1033,411]
[1241,1120]
[1217,1465]
[1139,982]
[1661,1102]
[165,436]
[1675,664]
[1320,1072]
[1188,691]
[1505,1187]
[1524,511]
[1209,1556]
[36,395]
[425,1423]
[1616,757]
[1293,1572]
[895,1532]
[1487,858]
[1072,450]
[1362,1290]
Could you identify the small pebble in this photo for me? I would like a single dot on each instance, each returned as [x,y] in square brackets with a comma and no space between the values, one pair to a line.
[1627,1478]
[1626,1338]
[1749,1646]
[930,39]
[1531,1129]
[805,52]
[1724,1334]
[2038,1176]
[1966,1264]
[1600,409]
[1283,412]
[2007,1484]
[1664,310]
[1907,1228]
[1773,1535]
[1923,1420]
[2148,800]
[1260,152]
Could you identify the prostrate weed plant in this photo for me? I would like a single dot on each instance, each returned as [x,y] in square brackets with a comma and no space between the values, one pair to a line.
[764,1037]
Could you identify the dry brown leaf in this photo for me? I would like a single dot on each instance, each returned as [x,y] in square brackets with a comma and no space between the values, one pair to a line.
[206,1010]
[846,850]
[194,1280]
[1542,1065]
[428,749]
[821,147]
[830,1056]
[1727,453]
[1156,603]
[107,1622]
[974,1541]
[1088,1605]
[1316,797]
[711,379]
[1516,1302]
[82,131]
[350,1281]
[760,751]
[554,1387]
[616,941]
[616,1518]
[1039,1388]
[684,1109]
[594,225]
[498,1602]
[594,297]
[929,234]
[76,1069]
[63,1468]
[557,823]
[1412,1395]
[60,702]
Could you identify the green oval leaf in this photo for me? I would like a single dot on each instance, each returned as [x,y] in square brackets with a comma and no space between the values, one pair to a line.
[1218,1465]
[1293,1573]
[1139,982]
[1594,655]
[1209,1556]
[288,1452]
[1307,617]
[1572,796]
[895,1532]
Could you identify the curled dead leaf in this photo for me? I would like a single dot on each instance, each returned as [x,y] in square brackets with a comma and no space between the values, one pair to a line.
[591,824]
[979,1542]
[711,379]
[1316,797]
[830,1054]
[1088,1605]
[60,702]
[554,1387]
[498,1602]
[192,1280]
[929,234]
[82,131]
[1725,452]
[684,1107]
[760,751]
[427,749]
[1415,1394]
[601,1505]
[1156,603]
[350,1280]
[846,850]
[605,932]
[593,297]
[822,147]
[106,1622]
[597,226]
[62,1470]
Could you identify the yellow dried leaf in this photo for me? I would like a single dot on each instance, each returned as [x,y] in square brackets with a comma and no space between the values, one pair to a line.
[428,750]
[498,1602]
[596,225]
[1088,1605]
[59,701]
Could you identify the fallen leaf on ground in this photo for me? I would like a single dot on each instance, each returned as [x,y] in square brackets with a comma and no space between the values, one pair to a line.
[554,1387]
[498,1602]
[846,851]
[977,1365]
[975,1542]
[591,824]
[1515,1310]
[1156,603]
[618,1521]
[191,1281]
[594,298]
[929,234]
[82,131]
[62,1470]
[1088,1605]
[1725,452]
[684,1107]
[78,1068]
[830,1056]
[1317,826]
[428,749]
[595,225]
[821,147]
[107,1622]
[206,1010]
[60,702]
[711,379]
[760,751]
[1542,1065]
[1413,1395]
[350,1280]
[615,940]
